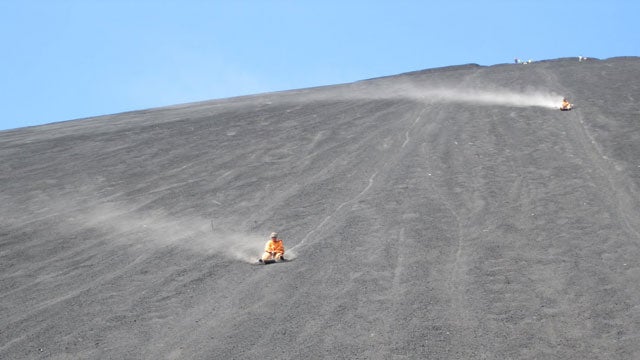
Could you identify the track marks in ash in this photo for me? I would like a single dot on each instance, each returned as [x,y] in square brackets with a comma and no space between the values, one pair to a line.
[336,211]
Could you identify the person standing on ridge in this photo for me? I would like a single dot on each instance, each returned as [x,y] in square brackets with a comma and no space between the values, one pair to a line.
[273,250]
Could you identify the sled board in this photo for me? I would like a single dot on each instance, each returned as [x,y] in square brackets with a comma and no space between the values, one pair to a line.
[267,262]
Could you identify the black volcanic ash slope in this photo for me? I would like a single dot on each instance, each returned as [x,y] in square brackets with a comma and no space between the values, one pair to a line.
[444,213]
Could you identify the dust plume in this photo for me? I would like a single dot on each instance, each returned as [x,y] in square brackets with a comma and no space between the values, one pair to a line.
[156,229]
[442,93]
[492,97]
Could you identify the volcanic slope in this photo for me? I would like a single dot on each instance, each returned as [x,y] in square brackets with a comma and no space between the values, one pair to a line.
[451,213]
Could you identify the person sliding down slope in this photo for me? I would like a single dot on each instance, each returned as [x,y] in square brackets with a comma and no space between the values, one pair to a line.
[565,105]
[273,250]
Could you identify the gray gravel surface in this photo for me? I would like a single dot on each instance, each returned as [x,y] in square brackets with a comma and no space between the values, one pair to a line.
[439,214]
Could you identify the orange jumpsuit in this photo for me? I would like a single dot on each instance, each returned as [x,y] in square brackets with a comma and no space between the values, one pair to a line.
[275,247]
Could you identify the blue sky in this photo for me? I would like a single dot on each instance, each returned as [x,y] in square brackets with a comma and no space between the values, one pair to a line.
[69,59]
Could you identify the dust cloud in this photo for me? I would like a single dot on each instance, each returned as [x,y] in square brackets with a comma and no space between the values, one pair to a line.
[493,97]
[140,229]
[443,93]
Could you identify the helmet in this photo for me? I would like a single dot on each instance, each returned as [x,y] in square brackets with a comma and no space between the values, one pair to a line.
[274,235]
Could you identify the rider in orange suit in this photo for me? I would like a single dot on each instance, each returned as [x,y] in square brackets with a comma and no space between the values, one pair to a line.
[274,249]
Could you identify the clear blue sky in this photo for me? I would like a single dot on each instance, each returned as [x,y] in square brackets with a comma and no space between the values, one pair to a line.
[68,59]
